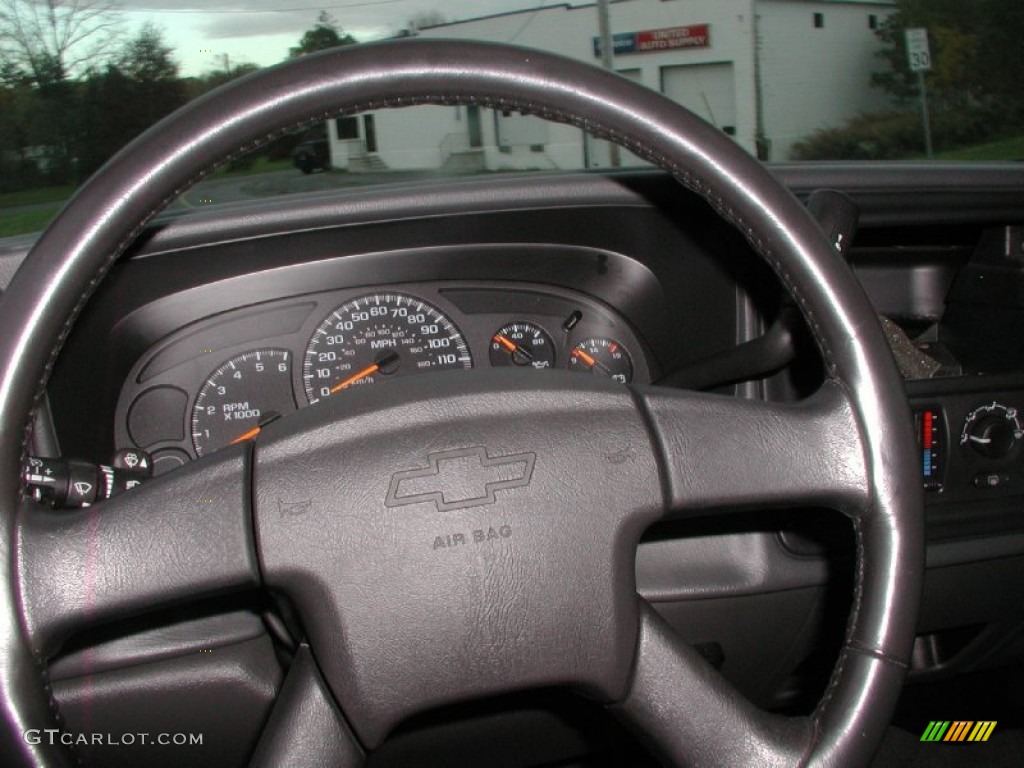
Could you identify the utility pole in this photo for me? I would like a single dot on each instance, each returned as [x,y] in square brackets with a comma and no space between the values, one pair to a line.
[604,29]
[925,120]
[762,144]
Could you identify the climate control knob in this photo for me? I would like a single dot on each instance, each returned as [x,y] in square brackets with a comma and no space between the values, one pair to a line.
[992,430]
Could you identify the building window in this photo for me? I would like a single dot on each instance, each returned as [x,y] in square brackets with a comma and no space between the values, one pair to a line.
[348,128]
[872,21]
[819,21]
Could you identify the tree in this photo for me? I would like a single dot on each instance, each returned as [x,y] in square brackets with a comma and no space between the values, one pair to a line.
[973,87]
[17,105]
[52,41]
[106,119]
[323,35]
[128,96]
[974,84]
[1001,31]
[147,58]
[147,62]
[424,19]
[12,75]
[55,39]
[975,52]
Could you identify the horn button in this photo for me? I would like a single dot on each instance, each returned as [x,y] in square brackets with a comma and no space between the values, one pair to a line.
[445,548]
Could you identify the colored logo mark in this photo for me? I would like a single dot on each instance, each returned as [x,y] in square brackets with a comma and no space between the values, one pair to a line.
[958,730]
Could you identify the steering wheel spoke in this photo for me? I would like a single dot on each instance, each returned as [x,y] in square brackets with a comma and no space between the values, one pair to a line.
[694,716]
[724,453]
[305,726]
[178,537]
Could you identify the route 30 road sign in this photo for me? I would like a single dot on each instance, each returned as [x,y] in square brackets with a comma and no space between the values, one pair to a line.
[918,55]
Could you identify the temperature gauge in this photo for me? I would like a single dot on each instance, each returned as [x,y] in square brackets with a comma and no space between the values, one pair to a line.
[522,344]
[931,440]
[603,357]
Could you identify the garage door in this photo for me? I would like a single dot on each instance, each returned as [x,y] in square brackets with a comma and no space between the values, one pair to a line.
[707,89]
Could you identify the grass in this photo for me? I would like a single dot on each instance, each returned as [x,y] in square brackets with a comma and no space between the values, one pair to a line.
[27,221]
[36,196]
[1006,149]
[262,164]
[24,222]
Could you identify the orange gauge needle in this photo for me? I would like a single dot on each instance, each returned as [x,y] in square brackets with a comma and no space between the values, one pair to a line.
[592,362]
[514,349]
[506,343]
[370,369]
[247,436]
[268,417]
[584,357]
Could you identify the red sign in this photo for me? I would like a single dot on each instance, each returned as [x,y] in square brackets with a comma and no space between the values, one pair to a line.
[671,38]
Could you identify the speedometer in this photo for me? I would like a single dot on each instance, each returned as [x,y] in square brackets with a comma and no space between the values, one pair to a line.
[377,336]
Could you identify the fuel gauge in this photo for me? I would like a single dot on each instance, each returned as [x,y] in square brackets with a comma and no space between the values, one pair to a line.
[603,357]
[522,344]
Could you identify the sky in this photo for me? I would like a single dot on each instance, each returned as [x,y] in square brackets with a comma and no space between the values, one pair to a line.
[203,32]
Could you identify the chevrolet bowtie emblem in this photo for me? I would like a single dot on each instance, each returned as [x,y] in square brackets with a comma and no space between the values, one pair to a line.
[465,477]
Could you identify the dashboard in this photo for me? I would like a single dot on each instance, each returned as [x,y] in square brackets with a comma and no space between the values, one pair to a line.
[218,321]
[217,380]
[587,277]
[222,318]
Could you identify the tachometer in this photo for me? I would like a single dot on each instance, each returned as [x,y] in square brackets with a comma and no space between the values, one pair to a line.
[236,397]
[376,336]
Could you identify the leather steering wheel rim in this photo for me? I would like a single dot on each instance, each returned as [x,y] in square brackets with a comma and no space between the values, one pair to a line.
[110,210]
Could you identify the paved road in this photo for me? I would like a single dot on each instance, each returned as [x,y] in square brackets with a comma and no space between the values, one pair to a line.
[230,189]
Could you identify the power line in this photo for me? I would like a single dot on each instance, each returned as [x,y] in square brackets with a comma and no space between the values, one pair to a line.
[207,11]
[528,22]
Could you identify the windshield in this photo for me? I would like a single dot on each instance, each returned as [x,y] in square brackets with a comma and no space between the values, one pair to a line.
[786,79]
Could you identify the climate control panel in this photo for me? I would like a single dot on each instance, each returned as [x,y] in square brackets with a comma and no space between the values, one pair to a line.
[971,444]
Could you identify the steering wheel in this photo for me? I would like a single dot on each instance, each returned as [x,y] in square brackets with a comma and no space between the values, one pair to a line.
[340,506]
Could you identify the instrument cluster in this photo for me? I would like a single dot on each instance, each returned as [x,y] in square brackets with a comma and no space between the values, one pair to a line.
[221,379]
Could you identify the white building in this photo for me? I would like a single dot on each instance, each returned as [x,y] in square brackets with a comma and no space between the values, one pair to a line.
[767,72]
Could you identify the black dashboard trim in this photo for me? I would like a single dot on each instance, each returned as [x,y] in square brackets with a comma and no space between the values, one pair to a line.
[889,194]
